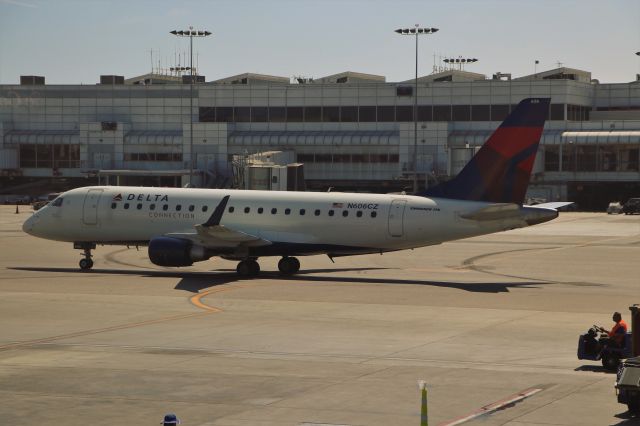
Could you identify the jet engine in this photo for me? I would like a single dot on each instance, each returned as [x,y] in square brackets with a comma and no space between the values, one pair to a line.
[167,251]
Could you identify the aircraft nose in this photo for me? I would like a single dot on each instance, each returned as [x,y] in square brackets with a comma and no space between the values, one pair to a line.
[29,224]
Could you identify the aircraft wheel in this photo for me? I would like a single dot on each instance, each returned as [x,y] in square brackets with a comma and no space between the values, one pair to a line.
[248,268]
[289,265]
[254,267]
[86,264]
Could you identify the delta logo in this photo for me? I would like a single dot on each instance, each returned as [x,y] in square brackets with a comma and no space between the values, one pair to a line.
[117,197]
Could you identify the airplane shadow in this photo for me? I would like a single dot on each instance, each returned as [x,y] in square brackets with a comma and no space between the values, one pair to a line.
[628,419]
[193,282]
[594,369]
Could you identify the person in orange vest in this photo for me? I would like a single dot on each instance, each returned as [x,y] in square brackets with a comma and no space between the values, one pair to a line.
[618,332]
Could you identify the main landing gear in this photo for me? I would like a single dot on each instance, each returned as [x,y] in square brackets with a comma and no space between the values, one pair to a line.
[288,265]
[86,263]
[250,267]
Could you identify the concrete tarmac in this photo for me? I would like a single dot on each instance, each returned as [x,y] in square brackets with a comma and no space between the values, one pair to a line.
[342,343]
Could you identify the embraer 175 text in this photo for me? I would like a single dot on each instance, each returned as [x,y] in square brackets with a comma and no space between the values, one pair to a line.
[181,226]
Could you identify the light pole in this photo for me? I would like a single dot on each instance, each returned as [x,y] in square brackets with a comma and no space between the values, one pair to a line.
[191,33]
[415,31]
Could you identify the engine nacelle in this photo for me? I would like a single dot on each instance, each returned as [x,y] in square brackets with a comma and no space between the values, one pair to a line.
[167,251]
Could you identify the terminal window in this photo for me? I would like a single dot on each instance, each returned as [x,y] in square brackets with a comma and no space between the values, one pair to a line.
[367,113]
[404,113]
[49,156]
[259,114]
[380,113]
[242,114]
[349,114]
[331,114]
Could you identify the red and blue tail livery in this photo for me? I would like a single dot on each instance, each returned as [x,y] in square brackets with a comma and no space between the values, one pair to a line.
[500,170]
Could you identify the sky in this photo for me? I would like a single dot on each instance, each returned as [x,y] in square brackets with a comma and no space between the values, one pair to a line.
[76,41]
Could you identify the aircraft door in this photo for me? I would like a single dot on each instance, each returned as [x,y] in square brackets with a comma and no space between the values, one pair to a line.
[396,218]
[90,207]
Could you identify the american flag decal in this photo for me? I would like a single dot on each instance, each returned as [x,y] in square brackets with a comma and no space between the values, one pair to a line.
[117,197]
[337,205]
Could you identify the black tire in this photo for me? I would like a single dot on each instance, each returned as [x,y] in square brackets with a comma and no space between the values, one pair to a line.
[248,268]
[288,265]
[634,407]
[254,267]
[243,269]
[296,264]
[610,362]
[86,264]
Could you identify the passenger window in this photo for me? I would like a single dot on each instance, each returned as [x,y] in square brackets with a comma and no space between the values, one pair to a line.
[126,206]
[231,209]
[191,207]
[274,211]
[287,211]
[260,210]
[331,212]
[152,207]
[179,207]
[359,213]
[205,208]
[165,207]
[374,214]
[317,212]
[139,206]
[302,212]
[345,213]
[247,209]
[113,205]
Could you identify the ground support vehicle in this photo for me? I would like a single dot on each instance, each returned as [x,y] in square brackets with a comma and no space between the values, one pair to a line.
[632,206]
[628,384]
[594,346]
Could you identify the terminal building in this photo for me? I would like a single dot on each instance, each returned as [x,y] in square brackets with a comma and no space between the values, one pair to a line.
[352,131]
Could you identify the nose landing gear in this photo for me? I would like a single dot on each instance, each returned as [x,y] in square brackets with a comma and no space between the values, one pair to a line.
[86,263]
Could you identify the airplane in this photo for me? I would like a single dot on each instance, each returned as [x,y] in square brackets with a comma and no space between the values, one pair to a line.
[181,226]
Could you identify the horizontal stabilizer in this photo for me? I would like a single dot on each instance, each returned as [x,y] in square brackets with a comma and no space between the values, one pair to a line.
[494,212]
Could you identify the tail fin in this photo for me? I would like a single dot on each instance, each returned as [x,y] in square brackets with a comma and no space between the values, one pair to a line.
[500,170]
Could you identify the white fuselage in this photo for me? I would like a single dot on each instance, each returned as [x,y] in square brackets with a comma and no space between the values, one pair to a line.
[339,223]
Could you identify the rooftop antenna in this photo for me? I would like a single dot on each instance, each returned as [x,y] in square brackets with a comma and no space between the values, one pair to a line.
[560,64]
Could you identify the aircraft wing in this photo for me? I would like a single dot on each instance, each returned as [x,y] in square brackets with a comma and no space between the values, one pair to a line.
[554,205]
[213,235]
[493,212]
[220,236]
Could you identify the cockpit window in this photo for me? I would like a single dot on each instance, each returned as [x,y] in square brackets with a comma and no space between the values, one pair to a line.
[57,202]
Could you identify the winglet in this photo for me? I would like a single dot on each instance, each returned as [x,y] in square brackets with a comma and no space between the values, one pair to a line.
[216,216]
